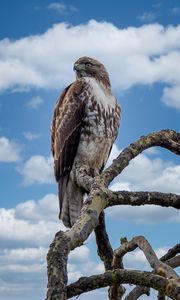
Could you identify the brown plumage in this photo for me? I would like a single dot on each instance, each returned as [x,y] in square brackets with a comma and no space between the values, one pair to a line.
[84,127]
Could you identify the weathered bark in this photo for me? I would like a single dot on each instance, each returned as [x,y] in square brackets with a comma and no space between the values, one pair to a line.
[143,198]
[104,248]
[57,268]
[159,283]
[171,253]
[138,292]
[139,241]
[173,262]
[90,218]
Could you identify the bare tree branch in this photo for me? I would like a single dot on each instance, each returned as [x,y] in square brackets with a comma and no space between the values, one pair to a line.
[117,291]
[173,262]
[137,292]
[141,198]
[57,268]
[85,284]
[139,241]
[104,248]
[99,198]
[168,139]
[171,253]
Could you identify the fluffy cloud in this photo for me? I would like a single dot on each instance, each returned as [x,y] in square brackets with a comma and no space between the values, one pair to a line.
[9,150]
[30,223]
[152,49]
[144,214]
[147,17]
[35,102]
[62,8]
[26,232]
[171,96]
[137,259]
[31,136]
[146,173]
[37,169]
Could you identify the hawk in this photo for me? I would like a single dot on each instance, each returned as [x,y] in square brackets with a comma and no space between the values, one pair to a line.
[84,127]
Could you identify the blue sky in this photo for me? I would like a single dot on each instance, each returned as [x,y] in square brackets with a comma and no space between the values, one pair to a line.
[139,43]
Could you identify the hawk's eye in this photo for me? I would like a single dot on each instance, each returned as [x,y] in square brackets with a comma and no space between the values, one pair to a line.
[88,65]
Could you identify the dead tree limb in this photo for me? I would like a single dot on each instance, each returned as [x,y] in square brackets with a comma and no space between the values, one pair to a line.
[173,262]
[137,292]
[171,253]
[139,241]
[99,198]
[85,284]
[142,198]
[104,248]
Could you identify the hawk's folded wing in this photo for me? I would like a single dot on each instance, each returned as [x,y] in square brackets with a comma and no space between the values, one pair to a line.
[65,132]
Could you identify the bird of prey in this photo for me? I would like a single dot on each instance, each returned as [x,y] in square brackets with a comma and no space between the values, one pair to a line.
[84,127]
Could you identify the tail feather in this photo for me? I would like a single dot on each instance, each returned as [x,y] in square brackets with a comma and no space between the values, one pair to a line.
[71,203]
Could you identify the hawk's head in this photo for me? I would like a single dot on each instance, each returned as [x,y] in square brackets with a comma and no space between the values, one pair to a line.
[89,67]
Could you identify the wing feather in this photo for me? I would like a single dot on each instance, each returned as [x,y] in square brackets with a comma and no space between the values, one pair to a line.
[65,133]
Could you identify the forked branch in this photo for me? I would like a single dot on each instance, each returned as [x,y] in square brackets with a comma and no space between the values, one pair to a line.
[99,198]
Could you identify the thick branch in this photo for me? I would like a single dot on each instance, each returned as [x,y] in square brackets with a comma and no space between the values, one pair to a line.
[173,262]
[88,220]
[85,284]
[104,248]
[139,241]
[57,268]
[168,139]
[141,198]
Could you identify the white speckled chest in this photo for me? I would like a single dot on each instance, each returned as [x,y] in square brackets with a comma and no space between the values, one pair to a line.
[100,127]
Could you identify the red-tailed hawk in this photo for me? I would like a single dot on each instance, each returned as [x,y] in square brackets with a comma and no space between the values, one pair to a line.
[84,127]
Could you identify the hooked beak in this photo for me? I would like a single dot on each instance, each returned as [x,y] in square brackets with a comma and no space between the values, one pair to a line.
[79,67]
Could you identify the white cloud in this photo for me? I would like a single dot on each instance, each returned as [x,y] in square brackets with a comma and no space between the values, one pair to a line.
[37,169]
[146,174]
[35,102]
[46,60]
[31,136]
[45,208]
[171,96]
[137,259]
[79,254]
[144,214]
[24,254]
[31,222]
[9,150]
[25,233]
[147,17]
[62,8]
